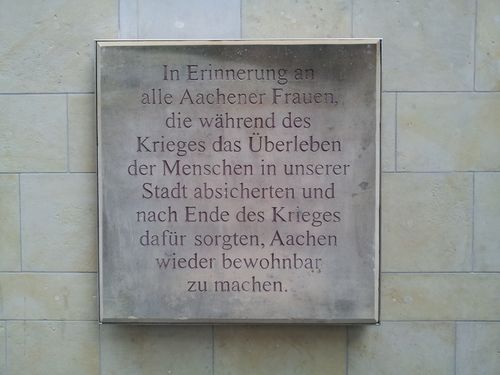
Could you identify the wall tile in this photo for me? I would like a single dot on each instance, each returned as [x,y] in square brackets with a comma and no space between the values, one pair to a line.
[295,19]
[59,229]
[440,297]
[280,350]
[487,222]
[195,19]
[426,221]
[10,246]
[53,348]
[410,348]
[478,348]
[448,131]
[156,350]
[388,133]
[48,296]
[426,46]
[49,46]
[488,45]
[32,133]
[128,19]
[82,133]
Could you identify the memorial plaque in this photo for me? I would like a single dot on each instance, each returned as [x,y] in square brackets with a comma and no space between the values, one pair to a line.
[239,181]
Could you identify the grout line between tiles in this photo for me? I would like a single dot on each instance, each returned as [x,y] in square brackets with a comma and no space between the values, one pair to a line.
[49,93]
[475,47]
[67,133]
[352,18]
[213,350]
[20,223]
[99,326]
[6,357]
[455,349]
[473,254]
[347,350]
[241,19]
[396,133]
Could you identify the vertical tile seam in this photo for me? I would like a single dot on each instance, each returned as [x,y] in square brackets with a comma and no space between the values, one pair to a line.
[67,133]
[241,19]
[396,134]
[347,350]
[6,357]
[119,4]
[473,253]
[20,222]
[137,18]
[99,357]
[455,349]
[475,46]
[24,335]
[213,350]
[352,18]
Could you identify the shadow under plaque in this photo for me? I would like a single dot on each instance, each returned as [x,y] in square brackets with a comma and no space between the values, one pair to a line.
[239,181]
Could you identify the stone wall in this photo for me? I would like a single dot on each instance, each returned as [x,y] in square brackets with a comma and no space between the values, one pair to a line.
[440,297]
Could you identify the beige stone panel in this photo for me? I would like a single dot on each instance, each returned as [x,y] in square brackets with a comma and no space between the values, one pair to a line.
[134,286]
[426,46]
[448,132]
[388,132]
[55,348]
[488,46]
[156,350]
[426,222]
[49,46]
[193,19]
[440,297]
[478,348]
[3,349]
[59,229]
[32,133]
[296,19]
[280,350]
[48,296]
[487,222]
[128,19]
[10,246]
[82,133]
[395,348]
